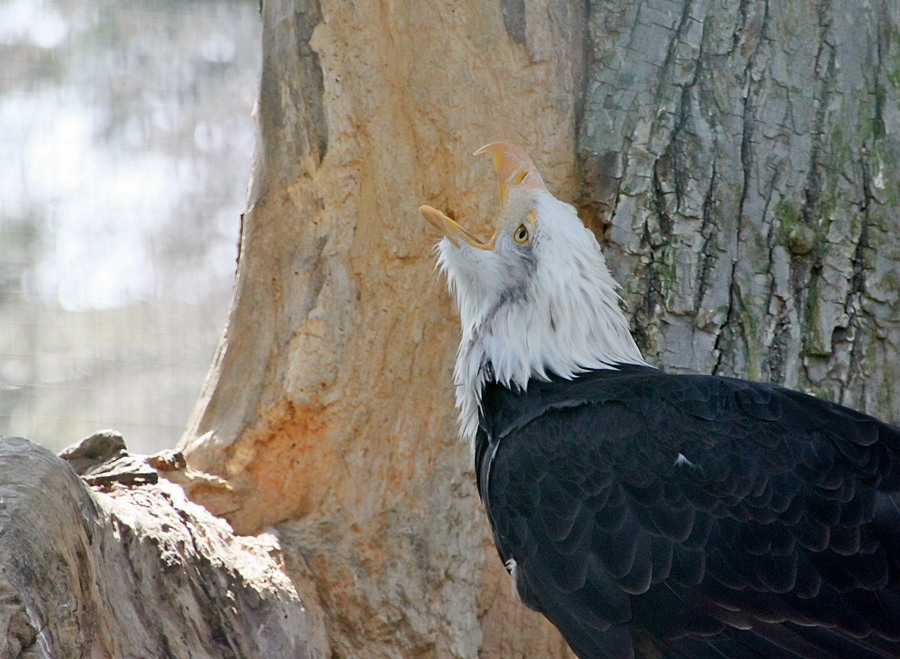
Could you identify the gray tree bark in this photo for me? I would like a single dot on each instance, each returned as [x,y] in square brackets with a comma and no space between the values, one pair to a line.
[738,159]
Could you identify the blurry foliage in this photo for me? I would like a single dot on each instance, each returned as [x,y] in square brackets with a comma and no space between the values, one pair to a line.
[126,139]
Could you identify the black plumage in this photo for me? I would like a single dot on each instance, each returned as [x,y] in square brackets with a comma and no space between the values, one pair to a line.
[695,516]
[647,514]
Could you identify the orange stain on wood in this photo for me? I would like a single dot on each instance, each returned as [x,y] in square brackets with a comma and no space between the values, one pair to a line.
[285,468]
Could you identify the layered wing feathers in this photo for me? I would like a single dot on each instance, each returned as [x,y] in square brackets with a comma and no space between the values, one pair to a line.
[643,509]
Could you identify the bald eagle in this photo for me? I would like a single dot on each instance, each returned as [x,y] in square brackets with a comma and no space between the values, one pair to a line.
[648,514]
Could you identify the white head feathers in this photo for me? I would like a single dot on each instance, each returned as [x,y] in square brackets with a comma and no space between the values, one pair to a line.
[537,299]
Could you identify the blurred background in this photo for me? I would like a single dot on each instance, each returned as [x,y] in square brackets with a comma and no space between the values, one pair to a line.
[125,145]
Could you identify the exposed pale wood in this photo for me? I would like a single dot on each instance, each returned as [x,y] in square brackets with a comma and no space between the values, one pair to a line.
[328,411]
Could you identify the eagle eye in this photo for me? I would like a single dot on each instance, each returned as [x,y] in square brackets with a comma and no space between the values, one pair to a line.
[521,234]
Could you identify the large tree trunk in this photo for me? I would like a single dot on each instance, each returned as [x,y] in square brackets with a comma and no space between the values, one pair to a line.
[328,411]
[734,157]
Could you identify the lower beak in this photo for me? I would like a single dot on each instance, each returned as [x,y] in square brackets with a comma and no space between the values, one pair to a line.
[451,229]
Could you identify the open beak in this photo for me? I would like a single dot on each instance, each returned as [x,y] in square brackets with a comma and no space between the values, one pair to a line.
[451,229]
[513,168]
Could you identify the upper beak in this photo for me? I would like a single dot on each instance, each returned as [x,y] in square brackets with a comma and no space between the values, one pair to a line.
[451,229]
[513,168]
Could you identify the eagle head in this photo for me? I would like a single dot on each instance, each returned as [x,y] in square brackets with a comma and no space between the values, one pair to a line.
[536,299]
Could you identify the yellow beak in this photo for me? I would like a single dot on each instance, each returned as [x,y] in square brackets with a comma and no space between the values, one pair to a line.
[513,168]
[451,229]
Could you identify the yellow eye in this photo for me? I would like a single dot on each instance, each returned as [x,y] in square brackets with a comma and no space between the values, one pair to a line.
[521,234]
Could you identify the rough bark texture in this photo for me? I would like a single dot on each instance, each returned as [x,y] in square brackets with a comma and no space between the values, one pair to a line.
[736,158]
[132,572]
